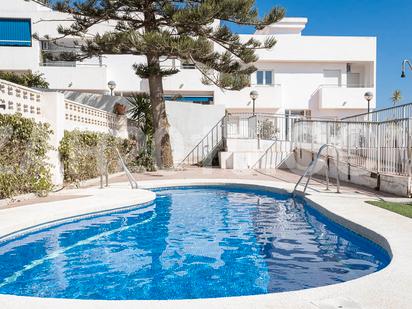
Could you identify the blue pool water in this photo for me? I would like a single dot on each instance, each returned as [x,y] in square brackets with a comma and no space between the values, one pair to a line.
[192,242]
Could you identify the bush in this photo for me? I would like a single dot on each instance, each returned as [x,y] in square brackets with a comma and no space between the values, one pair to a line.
[24,146]
[26,79]
[85,155]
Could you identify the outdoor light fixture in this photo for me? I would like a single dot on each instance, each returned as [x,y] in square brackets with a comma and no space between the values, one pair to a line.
[368,97]
[254,95]
[112,86]
[404,63]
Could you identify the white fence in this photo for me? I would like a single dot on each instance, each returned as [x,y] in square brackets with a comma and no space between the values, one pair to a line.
[262,126]
[61,114]
[381,147]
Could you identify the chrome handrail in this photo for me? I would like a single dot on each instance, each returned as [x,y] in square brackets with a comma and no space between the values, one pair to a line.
[132,180]
[309,171]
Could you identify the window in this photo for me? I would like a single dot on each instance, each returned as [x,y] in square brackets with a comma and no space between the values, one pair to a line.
[264,78]
[15,32]
[190,99]
[45,45]
[298,112]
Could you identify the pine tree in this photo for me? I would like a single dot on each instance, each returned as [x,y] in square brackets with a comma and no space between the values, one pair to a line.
[181,29]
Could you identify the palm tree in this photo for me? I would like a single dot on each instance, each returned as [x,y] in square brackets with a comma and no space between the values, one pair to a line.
[141,111]
[396,97]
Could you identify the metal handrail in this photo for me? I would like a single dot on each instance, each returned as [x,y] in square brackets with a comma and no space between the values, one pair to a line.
[270,149]
[220,124]
[378,111]
[309,171]
[132,180]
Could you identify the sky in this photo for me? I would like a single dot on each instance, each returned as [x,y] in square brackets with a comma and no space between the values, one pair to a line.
[388,20]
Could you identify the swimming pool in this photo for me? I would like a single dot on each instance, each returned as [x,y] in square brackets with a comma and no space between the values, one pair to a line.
[192,242]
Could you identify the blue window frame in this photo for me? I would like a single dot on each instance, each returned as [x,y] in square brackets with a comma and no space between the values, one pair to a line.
[259,77]
[15,32]
[264,77]
[204,100]
[268,77]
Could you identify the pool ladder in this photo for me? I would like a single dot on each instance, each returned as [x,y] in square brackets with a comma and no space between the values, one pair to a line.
[132,180]
[309,171]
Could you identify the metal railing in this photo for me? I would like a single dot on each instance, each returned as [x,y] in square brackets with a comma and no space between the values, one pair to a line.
[132,180]
[385,114]
[275,155]
[204,151]
[312,166]
[260,126]
[380,147]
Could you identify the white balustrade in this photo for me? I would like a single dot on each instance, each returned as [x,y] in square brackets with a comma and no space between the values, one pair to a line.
[80,116]
[18,99]
[61,114]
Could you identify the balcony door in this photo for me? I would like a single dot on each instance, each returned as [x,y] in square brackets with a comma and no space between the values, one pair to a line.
[354,80]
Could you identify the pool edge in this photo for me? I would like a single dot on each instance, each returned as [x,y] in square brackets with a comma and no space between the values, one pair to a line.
[391,284]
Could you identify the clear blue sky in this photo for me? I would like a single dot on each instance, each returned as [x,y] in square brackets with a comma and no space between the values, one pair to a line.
[389,20]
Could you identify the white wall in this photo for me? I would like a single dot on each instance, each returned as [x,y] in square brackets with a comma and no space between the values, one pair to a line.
[120,69]
[341,98]
[87,78]
[189,124]
[319,48]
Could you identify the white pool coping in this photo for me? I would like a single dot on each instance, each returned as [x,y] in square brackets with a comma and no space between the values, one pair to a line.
[389,288]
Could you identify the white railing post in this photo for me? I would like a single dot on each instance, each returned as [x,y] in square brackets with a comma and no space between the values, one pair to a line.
[378,147]
[409,145]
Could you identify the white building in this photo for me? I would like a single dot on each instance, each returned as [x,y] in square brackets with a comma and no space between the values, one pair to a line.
[311,75]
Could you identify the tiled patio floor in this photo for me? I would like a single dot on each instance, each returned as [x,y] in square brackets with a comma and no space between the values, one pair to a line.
[211,173]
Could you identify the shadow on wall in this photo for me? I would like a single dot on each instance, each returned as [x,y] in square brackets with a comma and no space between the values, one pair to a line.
[104,102]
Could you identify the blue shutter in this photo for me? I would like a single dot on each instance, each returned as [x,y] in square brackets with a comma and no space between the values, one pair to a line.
[269,77]
[15,32]
[189,99]
[259,77]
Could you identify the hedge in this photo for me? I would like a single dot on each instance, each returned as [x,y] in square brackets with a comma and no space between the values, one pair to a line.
[23,156]
[85,154]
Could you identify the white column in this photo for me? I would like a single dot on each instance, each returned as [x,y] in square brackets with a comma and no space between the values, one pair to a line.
[121,127]
[54,112]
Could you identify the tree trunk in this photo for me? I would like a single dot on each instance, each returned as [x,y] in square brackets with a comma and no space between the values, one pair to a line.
[163,147]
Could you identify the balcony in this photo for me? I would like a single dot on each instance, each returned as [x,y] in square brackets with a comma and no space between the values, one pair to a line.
[343,97]
[79,77]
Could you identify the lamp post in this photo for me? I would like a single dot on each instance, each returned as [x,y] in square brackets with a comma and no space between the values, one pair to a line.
[254,95]
[368,97]
[404,63]
[112,86]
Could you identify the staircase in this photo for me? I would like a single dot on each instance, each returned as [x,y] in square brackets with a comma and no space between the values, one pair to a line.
[277,154]
[207,149]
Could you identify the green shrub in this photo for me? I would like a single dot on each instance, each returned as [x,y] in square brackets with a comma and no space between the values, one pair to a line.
[85,155]
[30,80]
[24,146]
